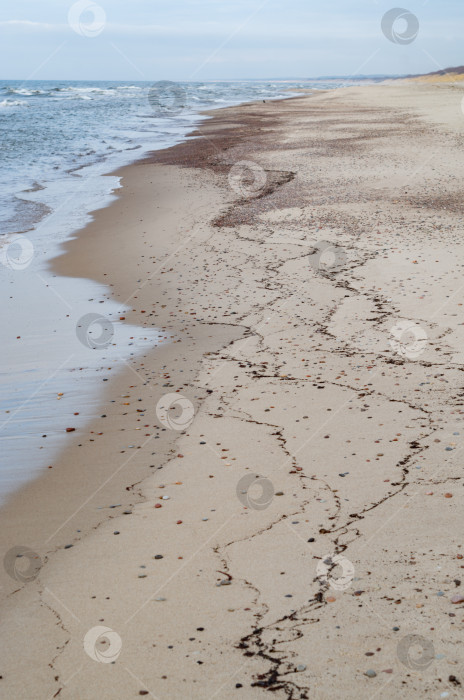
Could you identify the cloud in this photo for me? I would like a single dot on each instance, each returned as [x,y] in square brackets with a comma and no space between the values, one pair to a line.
[320,30]
[26,24]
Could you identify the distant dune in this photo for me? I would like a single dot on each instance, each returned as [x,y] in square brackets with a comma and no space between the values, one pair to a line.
[448,75]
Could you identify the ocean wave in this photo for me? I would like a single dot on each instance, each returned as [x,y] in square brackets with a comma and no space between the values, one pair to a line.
[89,90]
[72,91]
[13,103]
[23,91]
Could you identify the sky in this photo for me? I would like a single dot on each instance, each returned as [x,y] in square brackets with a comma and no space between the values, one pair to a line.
[225,39]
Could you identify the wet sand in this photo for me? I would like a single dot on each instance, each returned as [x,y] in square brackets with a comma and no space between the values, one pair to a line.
[312,302]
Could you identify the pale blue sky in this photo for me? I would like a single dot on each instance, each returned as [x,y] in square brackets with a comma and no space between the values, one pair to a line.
[214,39]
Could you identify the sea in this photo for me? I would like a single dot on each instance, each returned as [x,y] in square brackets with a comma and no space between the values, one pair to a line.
[58,141]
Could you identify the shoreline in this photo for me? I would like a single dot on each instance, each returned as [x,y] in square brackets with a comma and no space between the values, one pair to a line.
[67,273]
[60,302]
[258,244]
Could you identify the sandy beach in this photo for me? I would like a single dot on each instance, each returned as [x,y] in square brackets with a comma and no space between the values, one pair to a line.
[293,525]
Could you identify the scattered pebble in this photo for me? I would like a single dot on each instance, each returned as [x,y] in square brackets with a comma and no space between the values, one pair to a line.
[457,599]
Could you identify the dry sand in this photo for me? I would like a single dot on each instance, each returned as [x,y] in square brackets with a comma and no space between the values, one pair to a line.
[283,344]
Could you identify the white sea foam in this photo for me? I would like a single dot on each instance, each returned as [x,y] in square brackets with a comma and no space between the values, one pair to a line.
[13,103]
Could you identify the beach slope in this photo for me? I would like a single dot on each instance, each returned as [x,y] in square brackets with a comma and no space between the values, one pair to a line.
[293,525]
